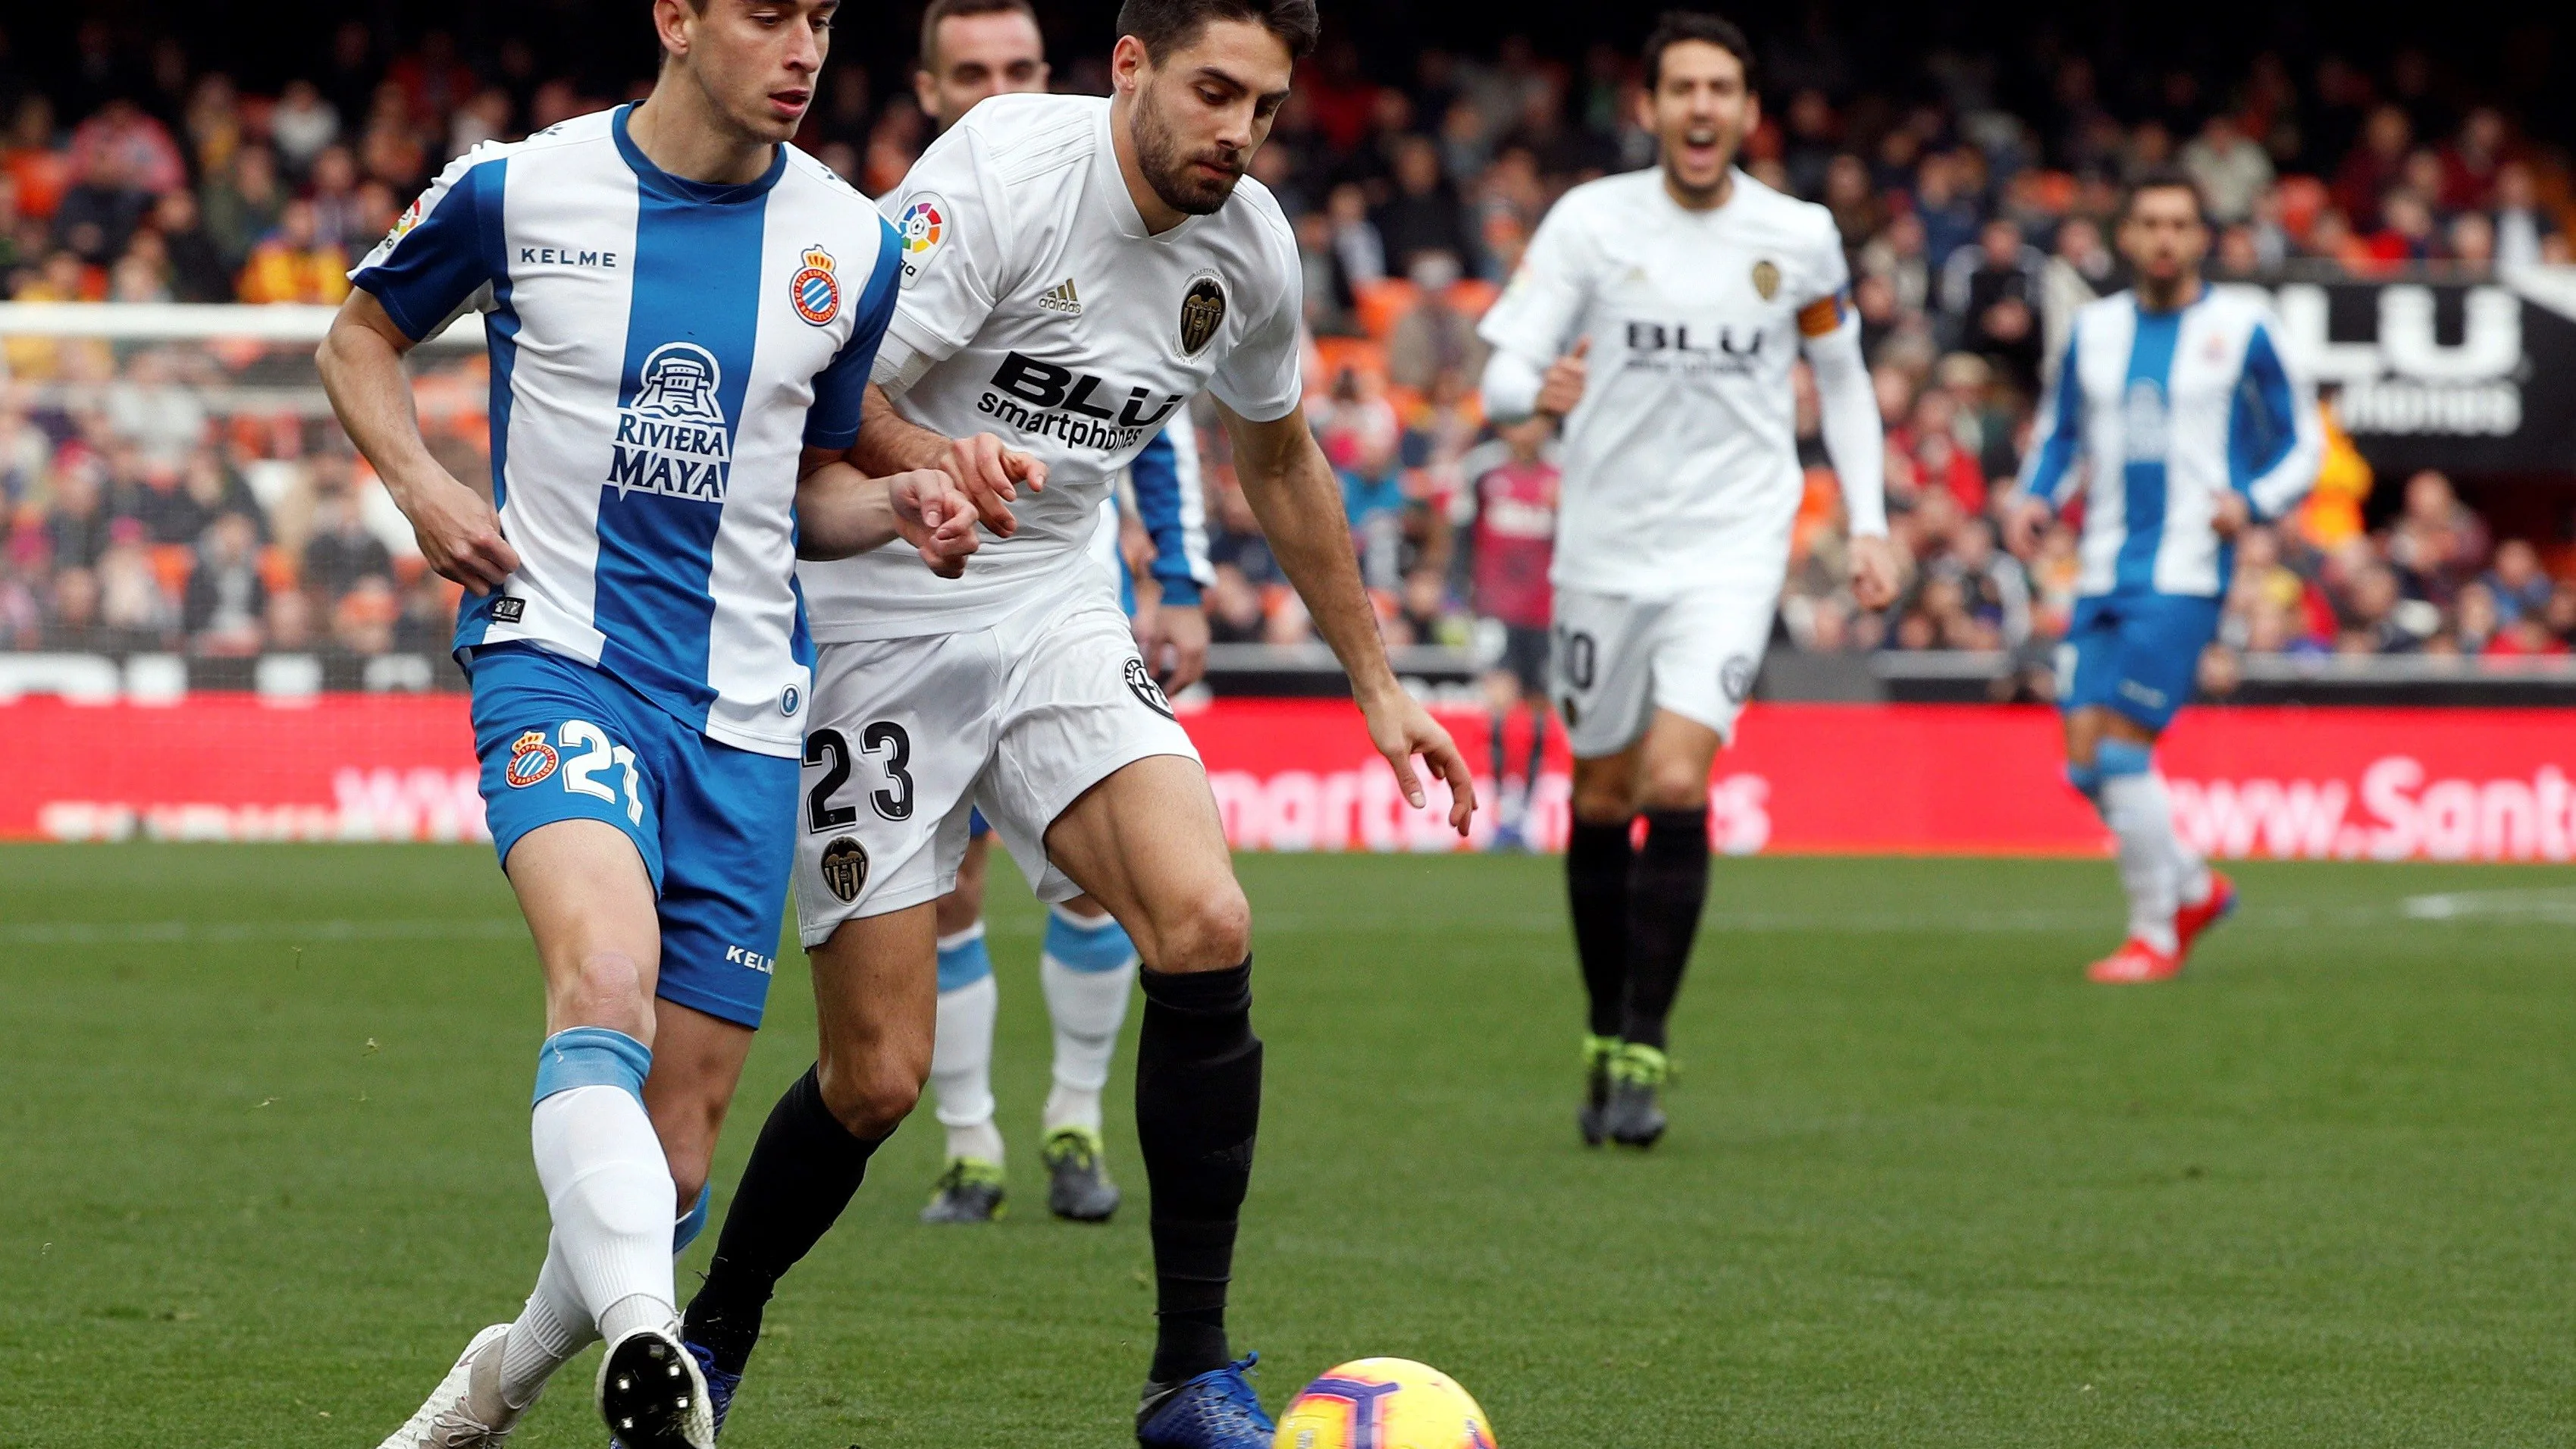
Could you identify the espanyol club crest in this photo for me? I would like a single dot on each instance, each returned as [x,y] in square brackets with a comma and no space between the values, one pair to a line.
[815,290]
[531,760]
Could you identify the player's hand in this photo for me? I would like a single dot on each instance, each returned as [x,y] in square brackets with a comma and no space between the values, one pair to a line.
[991,475]
[1175,640]
[1401,728]
[2231,516]
[1562,386]
[459,533]
[933,515]
[1874,573]
[2023,526]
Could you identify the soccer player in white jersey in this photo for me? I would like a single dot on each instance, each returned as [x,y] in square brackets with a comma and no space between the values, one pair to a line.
[1659,314]
[682,313]
[972,50]
[2194,422]
[1019,686]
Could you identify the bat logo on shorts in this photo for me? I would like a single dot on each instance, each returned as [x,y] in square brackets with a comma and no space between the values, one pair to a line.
[1140,682]
[845,867]
[1736,679]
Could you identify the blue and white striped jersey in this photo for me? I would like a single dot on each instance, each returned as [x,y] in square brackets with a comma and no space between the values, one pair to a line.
[2171,409]
[662,351]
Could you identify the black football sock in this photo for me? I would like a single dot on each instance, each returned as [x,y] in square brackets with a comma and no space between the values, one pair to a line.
[1598,863]
[1670,884]
[1537,762]
[801,1174]
[1198,1106]
[1494,722]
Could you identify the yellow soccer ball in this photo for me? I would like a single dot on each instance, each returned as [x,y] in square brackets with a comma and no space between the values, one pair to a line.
[1384,1403]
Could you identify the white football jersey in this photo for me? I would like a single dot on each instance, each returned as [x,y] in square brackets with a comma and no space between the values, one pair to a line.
[663,351]
[1681,461]
[1048,316]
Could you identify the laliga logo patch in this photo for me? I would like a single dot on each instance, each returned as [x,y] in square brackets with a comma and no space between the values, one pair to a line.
[845,867]
[815,290]
[922,227]
[1140,682]
[531,760]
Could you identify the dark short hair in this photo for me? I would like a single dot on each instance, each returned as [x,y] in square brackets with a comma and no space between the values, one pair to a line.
[951,9]
[2165,178]
[1675,26]
[1168,25]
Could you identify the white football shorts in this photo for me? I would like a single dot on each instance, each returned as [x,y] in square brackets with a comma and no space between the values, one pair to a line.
[907,735]
[1616,660]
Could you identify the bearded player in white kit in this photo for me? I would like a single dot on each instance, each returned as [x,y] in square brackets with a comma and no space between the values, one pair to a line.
[1075,270]
[1690,290]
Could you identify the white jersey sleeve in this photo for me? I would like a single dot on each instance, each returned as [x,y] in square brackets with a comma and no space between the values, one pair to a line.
[1259,379]
[1542,305]
[954,220]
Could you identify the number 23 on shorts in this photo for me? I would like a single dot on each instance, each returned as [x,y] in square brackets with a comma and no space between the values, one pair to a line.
[579,755]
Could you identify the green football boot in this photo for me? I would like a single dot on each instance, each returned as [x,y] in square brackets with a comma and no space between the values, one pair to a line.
[1634,1116]
[970,1191]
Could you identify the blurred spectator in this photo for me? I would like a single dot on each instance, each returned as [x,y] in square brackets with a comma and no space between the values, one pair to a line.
[193,264]
[2516,585]
[331,191]
[1424,215]
[301,124]
[1994,294]
[2437,543]
[2525,232]
[342,553]
[295,264]
[1434,337]
[243,205]
[227,601]
[2230,167]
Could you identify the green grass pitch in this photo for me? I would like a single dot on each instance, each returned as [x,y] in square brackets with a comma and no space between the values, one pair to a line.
[267,1167]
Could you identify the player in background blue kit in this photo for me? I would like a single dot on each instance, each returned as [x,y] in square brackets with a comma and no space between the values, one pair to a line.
[2195,423]
[682,313]
[972,50]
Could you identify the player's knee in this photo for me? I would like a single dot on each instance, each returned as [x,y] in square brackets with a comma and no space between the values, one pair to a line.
[1213,931]
[1673,788]
[607,989]
[870,1096]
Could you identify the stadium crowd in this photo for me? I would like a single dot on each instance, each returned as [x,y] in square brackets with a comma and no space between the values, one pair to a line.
[136,518]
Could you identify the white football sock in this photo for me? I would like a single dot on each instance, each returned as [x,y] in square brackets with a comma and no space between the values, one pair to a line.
[609,1188]
[2140,816]
[2192,884]
[549,1331]
[961,1069]
[1089,970]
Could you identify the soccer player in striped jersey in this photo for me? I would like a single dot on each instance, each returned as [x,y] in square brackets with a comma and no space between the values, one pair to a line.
[970,50]
[2195,422]
[682,312]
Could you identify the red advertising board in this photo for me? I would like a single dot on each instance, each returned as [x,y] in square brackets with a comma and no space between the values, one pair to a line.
[1299,775]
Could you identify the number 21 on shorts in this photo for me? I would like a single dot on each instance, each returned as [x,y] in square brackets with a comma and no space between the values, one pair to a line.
[532,760]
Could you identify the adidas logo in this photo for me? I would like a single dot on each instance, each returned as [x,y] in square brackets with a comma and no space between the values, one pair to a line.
[1060,298]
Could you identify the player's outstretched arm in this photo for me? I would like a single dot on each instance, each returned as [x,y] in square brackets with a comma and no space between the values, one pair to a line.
[1293,492]
[361,364]
[841,511]
[988,472]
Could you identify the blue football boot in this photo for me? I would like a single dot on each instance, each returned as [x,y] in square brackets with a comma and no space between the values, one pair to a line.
[1215,1410]
[720,1389]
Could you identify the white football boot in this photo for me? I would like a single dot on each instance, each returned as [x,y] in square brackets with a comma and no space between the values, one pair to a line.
[465,1410]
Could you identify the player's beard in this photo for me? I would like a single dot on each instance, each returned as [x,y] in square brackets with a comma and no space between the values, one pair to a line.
[1158,155]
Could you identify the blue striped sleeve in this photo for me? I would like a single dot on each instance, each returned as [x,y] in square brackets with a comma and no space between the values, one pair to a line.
[2275,442]
[443,250]
[1169,505]
[842,386]
[2056,432]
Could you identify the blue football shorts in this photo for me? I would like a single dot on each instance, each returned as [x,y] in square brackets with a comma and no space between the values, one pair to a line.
[2135,654]
[560,740]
